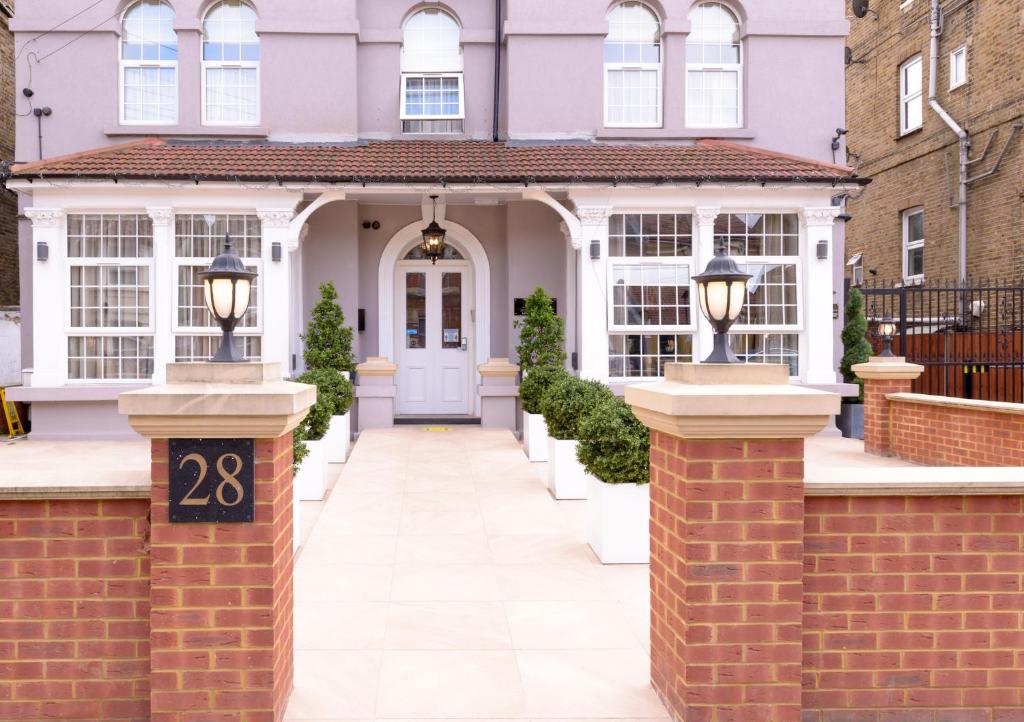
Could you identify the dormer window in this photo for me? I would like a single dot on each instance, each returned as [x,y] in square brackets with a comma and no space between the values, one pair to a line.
[149,65]
[433,95]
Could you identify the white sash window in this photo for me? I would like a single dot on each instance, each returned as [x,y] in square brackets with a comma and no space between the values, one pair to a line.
[149,65]
[231,65]
[714,68]
[632,67]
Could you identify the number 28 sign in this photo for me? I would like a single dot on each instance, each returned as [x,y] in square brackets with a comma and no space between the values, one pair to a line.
[211,480]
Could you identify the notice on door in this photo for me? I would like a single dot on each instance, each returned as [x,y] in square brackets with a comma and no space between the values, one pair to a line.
[451,335]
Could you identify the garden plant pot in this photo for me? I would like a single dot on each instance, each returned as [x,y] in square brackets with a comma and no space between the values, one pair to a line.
[310,484]
[535,436]
[567,479]
[618,517]
[336,440]
[851,420]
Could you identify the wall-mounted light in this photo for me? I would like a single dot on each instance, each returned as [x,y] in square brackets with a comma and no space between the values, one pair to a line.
[361,320]
[275,252]
[822,250]
[595,250]
[42,251]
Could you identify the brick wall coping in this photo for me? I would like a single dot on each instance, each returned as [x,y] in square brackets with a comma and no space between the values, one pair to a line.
[999,407]
[376,366]
[885,368]
[914,481]
[75,470]
[498,367]
[70,393]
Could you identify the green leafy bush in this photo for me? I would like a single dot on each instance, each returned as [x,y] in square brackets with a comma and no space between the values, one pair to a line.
[332,390]
[328,340]
[299,450]
[541,333]
[536,383]
[613,445]
[567,401]
[857,350]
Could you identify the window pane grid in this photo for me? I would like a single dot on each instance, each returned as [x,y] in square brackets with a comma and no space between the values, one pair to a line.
[149,55]
[645,355]
[650,295]
[202,236]
[771,295]
[203,347]
[232,94]
[769,348]
[150,94]
[109,296]
[229,33]
[646,235]
[98,358]
[148,32]
[758,234]
[432,96]
[110,236]
[913,244]
[632,57]
[713,65]
[911,95]
[431,41]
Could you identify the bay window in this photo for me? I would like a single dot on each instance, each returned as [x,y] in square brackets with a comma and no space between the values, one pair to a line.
[714,68]
[432,91]
[198,238]
[650,311]
[110,308]
[231,63]
[149,65]
[632,67]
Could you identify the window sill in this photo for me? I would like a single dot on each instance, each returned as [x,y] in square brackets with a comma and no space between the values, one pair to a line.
[195,131]
[683,134]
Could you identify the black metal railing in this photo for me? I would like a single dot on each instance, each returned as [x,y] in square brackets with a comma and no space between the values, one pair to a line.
[968,336]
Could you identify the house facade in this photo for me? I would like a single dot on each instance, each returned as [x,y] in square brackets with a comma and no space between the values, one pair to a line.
[602,151]
[907,231]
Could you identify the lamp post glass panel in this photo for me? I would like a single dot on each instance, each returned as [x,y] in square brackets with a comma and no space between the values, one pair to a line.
[887,329]
[722,290]
[226,288]
[433,237]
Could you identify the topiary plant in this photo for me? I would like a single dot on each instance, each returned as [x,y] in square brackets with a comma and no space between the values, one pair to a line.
[331,390]
[613,445]
[567,401]
[857,350]
[328,340]
[536,383]
[541,333]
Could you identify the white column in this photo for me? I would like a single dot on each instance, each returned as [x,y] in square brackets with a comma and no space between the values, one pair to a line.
[818,364]
[162,291]
[277,296]
[570,304]
[703,252]
[50,297]
[593,290]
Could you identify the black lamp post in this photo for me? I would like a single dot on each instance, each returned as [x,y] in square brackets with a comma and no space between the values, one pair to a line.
[226,288]
[887,329]
[722,290]
[433,237]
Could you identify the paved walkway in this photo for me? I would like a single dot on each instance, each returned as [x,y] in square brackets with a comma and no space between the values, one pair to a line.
[442,581]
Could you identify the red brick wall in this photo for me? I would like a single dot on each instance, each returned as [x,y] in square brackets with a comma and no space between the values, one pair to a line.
[877,432]
[913,609]
[74,610]
[222,603]
[726,531]
[955,436]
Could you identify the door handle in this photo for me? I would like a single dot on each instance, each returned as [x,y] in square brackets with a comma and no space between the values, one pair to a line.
[465,344]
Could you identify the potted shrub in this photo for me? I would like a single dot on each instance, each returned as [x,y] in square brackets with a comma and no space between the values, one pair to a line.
[565,404]
[541,345]
[531,391]
[856,349]
[310,448]
[614,448]
[328,345]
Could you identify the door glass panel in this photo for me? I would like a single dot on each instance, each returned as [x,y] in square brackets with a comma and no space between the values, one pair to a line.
[415,310]
[451,310]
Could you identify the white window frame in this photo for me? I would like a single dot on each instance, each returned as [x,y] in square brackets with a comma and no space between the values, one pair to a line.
[643,67]
[718,67]
[207,65]
[961,51]
[105,331]
[404,115]
[856,264]
[688,262]
[909,245]
[906,97]
[124,65]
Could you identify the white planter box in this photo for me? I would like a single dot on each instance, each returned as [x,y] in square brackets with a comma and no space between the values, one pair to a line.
[567,479]
[310,483]
[336,440]
[618,522]
[535,436]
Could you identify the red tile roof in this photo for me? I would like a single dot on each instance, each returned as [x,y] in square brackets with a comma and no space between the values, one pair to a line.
[419,161]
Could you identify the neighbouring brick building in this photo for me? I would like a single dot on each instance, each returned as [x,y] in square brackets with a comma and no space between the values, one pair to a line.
[905,224]
[8,201]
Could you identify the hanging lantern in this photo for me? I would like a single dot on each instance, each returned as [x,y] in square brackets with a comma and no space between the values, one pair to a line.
[433,237]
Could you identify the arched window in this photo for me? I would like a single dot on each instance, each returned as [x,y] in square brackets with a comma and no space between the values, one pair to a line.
[432,90]
[149,64]
[632,67]
[231,65]
[714,68]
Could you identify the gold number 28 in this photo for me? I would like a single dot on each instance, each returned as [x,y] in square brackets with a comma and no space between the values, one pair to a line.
[226,479]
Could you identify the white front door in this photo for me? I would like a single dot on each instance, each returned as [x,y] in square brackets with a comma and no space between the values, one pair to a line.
[434,337]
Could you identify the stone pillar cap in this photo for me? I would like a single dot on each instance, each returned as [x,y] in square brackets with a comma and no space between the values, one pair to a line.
[731,401]
[888,368]
[498,367]
[376,366]
[218,401]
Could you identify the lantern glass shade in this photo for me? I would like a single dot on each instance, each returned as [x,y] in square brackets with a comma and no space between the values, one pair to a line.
[722,300]
[722,291]
[887,329]
[227,284]
[227,297]
[433,241]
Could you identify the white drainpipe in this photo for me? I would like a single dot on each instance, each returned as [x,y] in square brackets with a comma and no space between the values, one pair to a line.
[965,143]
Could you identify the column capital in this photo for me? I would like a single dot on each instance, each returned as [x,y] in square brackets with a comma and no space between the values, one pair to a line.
[574,241]
[706,215]
[820,216]
[161,216]
[45,217]
[275,217]
[593,215]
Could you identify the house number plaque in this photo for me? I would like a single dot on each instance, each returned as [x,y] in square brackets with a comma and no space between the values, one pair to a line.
[211,480]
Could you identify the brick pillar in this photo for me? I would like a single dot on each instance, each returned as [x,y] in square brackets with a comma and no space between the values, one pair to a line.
[221,593]
[727,511]
[883,375]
